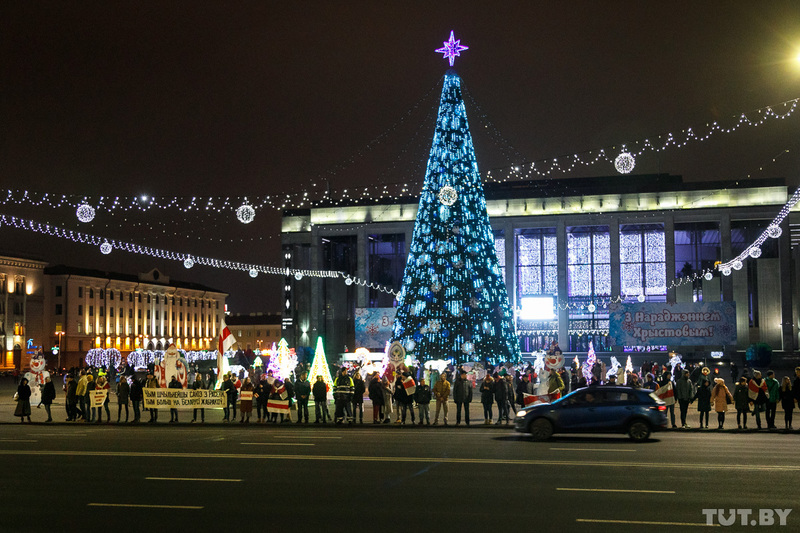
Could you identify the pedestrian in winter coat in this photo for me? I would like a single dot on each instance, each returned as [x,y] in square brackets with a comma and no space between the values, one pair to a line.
[136,397]
[72,399]
[757,389]
[703,397]
[773,396]
[423,398]
[198,385]
[23,409]
[376,397]
[487,398]
[441,391]
[359,388]
[302,391]
[320,392]
[246,406]
[48,395]
[123,394]
[741,401]
[103,384]
[500,397]
[524,386]
[721,397]
[787,401]
[462,395]
[684,393]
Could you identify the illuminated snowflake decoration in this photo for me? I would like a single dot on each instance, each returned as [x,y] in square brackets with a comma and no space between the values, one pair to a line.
[434,325]
[459,264]
[474,302]
[468,347]
[298,276]
[85,213]
[245,213]
[410,345]
[624,163]
[737,265]
[253,273]
[452,48]
[591,308]
[774,231]
[447,195]
[436,287]
[755,252]
[106,248]
[348,281]
[709,276]
[188,262]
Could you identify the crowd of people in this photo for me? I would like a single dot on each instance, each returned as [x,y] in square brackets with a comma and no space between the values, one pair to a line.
[405,395]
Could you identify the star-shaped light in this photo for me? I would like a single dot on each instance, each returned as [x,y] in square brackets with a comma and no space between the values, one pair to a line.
[452,48]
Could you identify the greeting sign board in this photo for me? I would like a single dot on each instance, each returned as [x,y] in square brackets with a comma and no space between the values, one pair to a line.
[374,326]
[663,324]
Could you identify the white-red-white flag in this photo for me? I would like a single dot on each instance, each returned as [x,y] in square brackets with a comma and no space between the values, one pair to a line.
[226,338]
[410,386]
[529,399]
[281,391]
[666,393]
[278,406]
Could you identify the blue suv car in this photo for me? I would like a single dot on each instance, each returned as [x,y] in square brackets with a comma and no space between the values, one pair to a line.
[611,409]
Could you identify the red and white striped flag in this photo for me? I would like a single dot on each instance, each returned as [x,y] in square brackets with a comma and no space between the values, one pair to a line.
[409,385]
[529,399]
[278,406]
[666,393]
[753,387]
[226,338]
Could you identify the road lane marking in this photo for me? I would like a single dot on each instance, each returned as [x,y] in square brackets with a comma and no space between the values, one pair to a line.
[300,437]
[644,523]
[18,440]
[593,449]
[57,434]
[379,459]
[617,490]
[192,479]
[277,444]
[144,506]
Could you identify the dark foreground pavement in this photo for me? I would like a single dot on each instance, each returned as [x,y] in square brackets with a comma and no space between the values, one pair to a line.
[365,478]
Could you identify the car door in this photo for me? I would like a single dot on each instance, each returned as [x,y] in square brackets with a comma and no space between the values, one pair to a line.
[581,410]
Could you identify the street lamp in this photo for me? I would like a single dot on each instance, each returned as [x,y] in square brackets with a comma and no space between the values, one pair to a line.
[59,334]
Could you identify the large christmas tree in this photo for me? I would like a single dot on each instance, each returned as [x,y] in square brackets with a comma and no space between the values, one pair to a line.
[454,303]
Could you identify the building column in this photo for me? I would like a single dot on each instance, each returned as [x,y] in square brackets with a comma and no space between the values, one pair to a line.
[563,296]
[314,314]
[511,263]
[727,254]
[613,251]
[669,256]
[361,267]
[785,269]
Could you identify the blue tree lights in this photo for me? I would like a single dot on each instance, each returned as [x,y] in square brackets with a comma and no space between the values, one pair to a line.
[454,303]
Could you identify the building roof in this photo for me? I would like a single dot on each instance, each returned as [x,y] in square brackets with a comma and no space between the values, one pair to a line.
[62,270]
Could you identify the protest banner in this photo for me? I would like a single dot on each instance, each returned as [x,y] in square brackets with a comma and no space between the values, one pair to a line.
[98,397]
[183,398]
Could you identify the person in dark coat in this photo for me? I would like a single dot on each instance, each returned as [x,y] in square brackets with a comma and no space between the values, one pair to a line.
[423,398]
[136,397]
[261,393]
[199,385]
[462,395]
[403,400]
[23,409]
[487,398]
[703,397]
[123,395]
[320,392]
[173,413]
[787,401]
[359,388]
[500,396]
[48,395]
[376,397]
[741,401]
[71,388]
[302,391]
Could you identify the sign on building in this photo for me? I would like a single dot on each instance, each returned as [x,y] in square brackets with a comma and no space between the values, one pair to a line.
[663,324]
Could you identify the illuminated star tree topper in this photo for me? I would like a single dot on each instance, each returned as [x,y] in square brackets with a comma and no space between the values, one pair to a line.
[452,48]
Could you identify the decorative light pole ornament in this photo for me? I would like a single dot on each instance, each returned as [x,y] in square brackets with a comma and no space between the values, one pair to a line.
[624,162]
[452,48]
[591,308]
[447,195]
[298,276]
[641,298]
[106,248]
[726,271]
[85,213]
[188,262]
[245,213]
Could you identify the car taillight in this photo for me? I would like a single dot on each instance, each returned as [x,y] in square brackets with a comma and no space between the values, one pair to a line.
[658,408]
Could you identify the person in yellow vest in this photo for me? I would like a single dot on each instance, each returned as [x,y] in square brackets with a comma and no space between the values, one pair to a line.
[441,391]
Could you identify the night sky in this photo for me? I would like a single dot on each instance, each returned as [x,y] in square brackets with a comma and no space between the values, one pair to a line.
[255,98]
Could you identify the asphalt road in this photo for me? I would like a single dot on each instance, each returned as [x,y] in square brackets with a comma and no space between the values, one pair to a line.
[365,478]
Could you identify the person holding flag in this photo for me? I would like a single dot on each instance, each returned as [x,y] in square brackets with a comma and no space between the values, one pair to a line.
[226,342]
[666,392]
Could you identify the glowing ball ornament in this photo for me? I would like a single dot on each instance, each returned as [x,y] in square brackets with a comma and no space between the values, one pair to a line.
[641,298]
[709,276]
[106,248]
[624,163]
[298,276]
[737,265]
[188,262]
[447,195]
[755,252]
[253,273]
[774,231]
[85,213]
[348,281]
[245,213]
[726,271]
[591,308]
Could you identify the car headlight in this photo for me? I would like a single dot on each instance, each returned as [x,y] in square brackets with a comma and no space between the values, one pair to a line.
[521,414]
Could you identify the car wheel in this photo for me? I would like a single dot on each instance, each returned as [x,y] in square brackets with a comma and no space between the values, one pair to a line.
[541,429]
[639,430]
